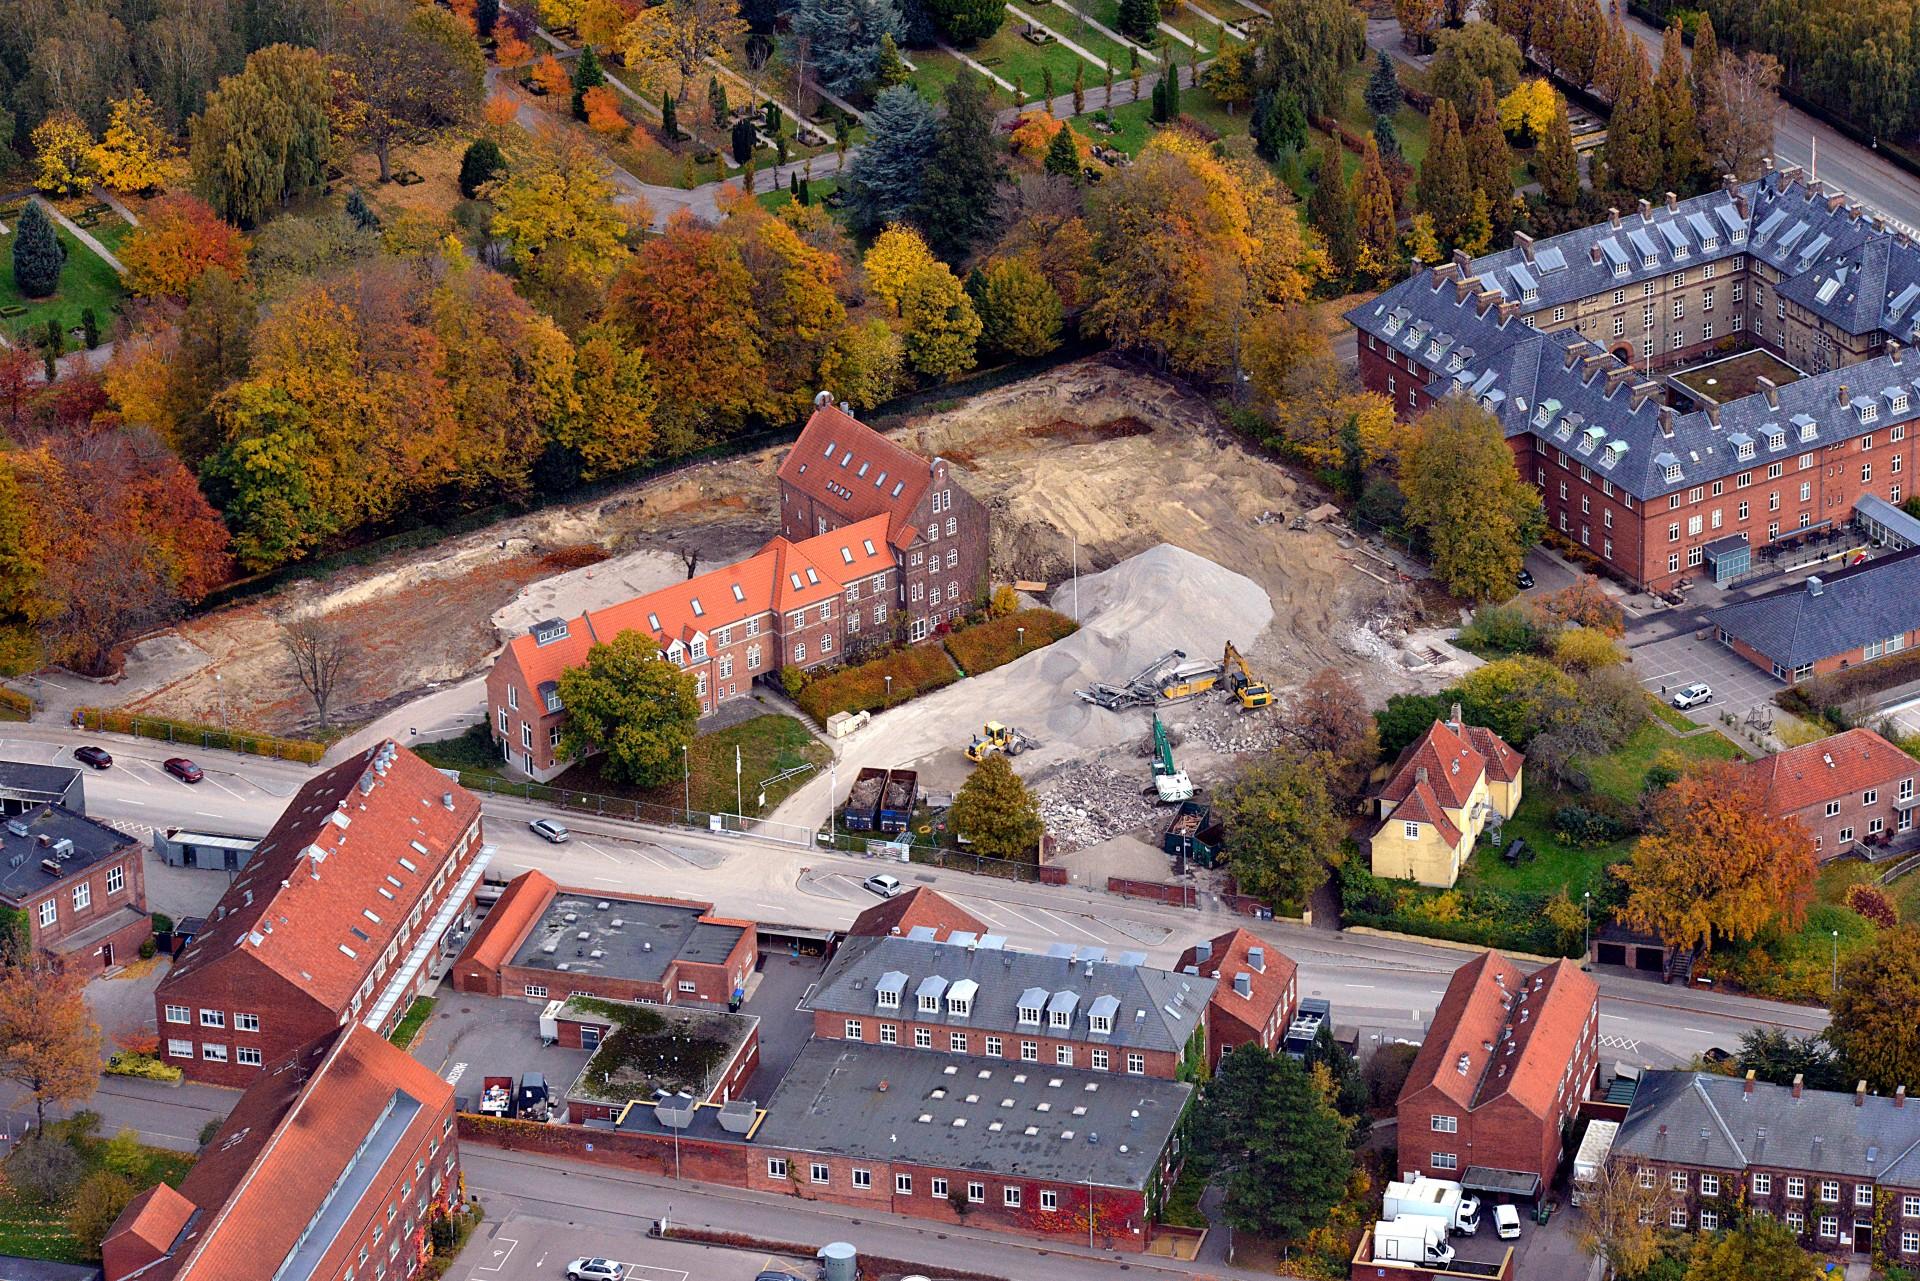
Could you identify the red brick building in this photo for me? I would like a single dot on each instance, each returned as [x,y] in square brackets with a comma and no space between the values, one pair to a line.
[1847,791]
[544,942]
[331,1168]
[1562,341]
[1830,622]
[918,909]
[842,473]
[80,885]
[857,564]
[354,904]
[1255,991]
[1504,1066]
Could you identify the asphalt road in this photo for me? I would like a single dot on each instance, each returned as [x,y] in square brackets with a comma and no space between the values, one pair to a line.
[1385,987]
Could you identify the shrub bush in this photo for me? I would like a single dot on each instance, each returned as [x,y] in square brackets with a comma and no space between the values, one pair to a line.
[915,671]
[1500,629]
[1478,915]
[1871,903]
[1589,826]
[45,1167]
[148,949]
[209,736]
[127,1063]
[985,646]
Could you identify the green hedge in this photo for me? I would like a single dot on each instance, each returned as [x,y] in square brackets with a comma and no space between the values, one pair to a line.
[207,736]
[1484,917]
[127,1063]
[985,646]
[14,706]
[916,670]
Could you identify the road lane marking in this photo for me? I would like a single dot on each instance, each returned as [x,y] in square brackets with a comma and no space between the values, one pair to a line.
[209,778]
[1698,1031]
[588,845]
[500,1257]
[974,905]
[1070,925]
[1021,916]
[1617,1018]
[206,814]
[647,1271]
[128,800]
[1365,987]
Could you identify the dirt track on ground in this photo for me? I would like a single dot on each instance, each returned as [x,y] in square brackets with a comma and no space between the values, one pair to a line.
[1096,451]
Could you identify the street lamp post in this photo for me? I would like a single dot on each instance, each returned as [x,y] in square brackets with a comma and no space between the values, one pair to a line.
[686,775]
[1836,962]
[1020,637]
[889,681]
[1586,930]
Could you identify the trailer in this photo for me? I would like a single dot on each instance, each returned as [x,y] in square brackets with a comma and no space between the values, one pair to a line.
[1415,1240]
[533,1101]
[1595,1146]
[863,800]
[896,801]
[1193,836]
[496,1096]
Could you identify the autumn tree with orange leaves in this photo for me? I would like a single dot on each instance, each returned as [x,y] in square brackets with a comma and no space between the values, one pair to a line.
[49,1043]
[1715,864]
[179,238]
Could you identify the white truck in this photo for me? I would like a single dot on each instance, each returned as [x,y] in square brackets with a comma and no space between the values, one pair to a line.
[1412,1239]
[1441,1200]
[1595,1146]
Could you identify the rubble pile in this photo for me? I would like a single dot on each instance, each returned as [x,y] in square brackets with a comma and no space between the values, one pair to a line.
[1086,802]
[1220,725]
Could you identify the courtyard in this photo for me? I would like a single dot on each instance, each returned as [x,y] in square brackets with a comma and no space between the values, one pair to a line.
[1733,377]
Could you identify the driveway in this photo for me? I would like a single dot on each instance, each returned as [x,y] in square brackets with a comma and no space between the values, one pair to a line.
[1664,665]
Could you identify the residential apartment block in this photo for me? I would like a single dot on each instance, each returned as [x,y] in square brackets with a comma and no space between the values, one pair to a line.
[1841,1170]
[331,1167]
[1256,991]
[544,942]
[356,902]
[878,545]
[1446,786]
[1562,340]
[1847,791]
[79,883]
[1503,1069]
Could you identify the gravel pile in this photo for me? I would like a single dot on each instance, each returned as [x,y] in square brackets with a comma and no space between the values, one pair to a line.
[1086,802]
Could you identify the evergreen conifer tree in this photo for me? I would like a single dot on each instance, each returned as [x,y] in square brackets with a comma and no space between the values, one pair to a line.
[1062,158]
[1446,187]
[37,253]
[1386,138]
[1331,210]
[1079,88]
[1633,129]
[742,140]
[480,165]
[669,118]
[1490,160]
[1681,154]
[1383,87]
[1706,61]
[962,184]
[1140,20]
[486,15]
[587,74]
[891,71]
[1373,215]
[1555,164]
[717,108]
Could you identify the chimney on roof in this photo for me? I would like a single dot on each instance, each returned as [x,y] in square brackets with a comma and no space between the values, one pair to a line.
[1462,260]
[1462,286]
[1773,392]
[1799,1083]
[1713,416]
[1900,1096]
[1615,376]
[1593,252]
[1893,350]
[1508,310]
[1643,392]
[1257,958]
[1420,776]
[1203,950]
[1673,202]
[1453,716]
[1835,201]
[1524,243]
[1444,272]
[1666,417]
[1243,986]
[1740,204]
[1727,182]
[446,799]
[1860,1094]
[1746,1091]
[1573,350]
[1589,364]
[1613,216]
[1842,396]
[1646,210]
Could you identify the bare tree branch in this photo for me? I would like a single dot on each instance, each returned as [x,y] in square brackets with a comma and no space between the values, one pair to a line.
[319,650]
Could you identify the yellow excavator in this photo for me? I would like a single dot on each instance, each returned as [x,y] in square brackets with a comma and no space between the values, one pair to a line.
[998,738]
[1241,683]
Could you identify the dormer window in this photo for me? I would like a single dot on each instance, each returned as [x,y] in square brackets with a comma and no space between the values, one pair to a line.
[1672,471]
[958,1007]
[699,649]
[1060,1018]
[1743,451]
[1650,261]
[1620,268]
[1709,243]
[1738,236]
[960,998]
[931,989]
[1808,429]
[1030,1014]
[1869,411]
[1530,295]
[1102,1023]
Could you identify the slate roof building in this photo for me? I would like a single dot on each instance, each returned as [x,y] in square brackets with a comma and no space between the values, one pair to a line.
[80,884]
[1830,622]
[1817,1160]
[331,1167]
[1068,1008]
[357,901]
[1562,341]
[1504,1066]
[876,544]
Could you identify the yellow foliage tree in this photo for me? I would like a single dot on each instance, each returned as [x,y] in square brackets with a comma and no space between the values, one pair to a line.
[136,153]
[1320,430]
[555,207]
[63,155]
[602,21]
[1529,109]
[679,35]
[560,13]
[898,254]
[942,327]
[1423,243]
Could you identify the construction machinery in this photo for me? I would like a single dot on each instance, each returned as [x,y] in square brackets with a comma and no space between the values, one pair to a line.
[1170,782]
[1241,683]
[999,738]
[1168,679]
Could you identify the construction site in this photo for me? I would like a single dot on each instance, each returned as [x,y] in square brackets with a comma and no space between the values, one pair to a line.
[1208,581]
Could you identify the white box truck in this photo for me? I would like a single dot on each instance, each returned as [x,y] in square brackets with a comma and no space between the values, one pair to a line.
[1595,1146]
[1412,1239]
[1438,1199]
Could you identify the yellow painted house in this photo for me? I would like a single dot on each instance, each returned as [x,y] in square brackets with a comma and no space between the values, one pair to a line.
[1444,789]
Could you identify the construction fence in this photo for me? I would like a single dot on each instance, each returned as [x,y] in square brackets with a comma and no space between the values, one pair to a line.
[210,737]
[626,808]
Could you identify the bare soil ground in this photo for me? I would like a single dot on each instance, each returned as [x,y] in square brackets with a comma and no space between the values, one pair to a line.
[1096,452]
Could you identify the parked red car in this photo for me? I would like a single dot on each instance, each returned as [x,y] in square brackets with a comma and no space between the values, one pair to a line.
[183,769]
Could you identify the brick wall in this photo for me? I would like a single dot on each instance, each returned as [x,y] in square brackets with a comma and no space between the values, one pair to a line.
[1012,1045]
[231,987]
[69,920]
[1846,831]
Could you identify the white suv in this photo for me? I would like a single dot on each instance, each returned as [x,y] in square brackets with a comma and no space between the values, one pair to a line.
[594,1270]
[1698,694]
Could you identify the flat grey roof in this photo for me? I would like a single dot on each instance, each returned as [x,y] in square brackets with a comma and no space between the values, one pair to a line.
[960,1112]
[20,839]
[710,944]
[627,939]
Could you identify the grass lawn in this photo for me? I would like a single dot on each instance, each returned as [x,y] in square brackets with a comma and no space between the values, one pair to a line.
[775,201]
[1132,123]
[1558,866]
[35,1231]
[1013,58]
[472,752]
[85,281]
[1105,52]
[409,1027]
[768,744]
[1737,376]
[935,69]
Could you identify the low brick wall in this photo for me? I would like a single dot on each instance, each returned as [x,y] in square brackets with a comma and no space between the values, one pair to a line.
[1158,891]
[700,1159]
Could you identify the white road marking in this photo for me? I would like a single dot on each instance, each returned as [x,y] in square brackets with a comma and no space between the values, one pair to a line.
[454,1073]
[128,800]
[647,1271]
[500,1257]
[1028,919]
[208,778]
[975,906]
[1365,987]
[1700,1031]
[771,907]
[1070,925]
[206,814]
[588,845]
[1617,1018]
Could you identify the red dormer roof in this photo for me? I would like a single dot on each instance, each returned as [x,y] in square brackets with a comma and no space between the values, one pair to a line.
[1452,763]
[914,908]
[1503,762]
[1489,1041]
[1422,806]
[852,551]
[306,902]
[1826,770]
[849,468]
[1229,955]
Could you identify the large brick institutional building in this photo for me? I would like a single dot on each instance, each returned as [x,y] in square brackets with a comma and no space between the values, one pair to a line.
[1564,340]
[357,901]
[877,544]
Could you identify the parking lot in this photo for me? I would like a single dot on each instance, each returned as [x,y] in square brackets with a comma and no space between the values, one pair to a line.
[1664,666]
[1550,1251]
[528,1245]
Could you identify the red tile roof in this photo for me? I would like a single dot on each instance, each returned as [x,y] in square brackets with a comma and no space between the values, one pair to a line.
[915,907]
[849,468]
[317,875]
[498,938]
[1422,806]
[261,1180]
[1854,761]
[1532,1022]
[1452,763]
[145,1230]
[1228,957]
[1503,763]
